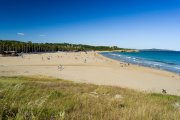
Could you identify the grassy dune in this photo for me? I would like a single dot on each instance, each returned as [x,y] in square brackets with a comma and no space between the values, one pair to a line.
[42,98]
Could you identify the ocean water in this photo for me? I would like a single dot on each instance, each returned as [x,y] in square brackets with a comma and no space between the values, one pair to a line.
[165,60]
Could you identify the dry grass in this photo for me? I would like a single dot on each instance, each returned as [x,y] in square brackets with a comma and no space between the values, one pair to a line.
[42,98]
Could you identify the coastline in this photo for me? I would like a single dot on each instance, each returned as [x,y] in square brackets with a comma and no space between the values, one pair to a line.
[139,65]
[126,50]
[91,67]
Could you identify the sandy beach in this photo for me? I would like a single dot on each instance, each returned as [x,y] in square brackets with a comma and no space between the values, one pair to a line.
[91,67]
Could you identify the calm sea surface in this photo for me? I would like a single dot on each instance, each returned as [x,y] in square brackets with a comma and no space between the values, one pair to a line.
[165,60]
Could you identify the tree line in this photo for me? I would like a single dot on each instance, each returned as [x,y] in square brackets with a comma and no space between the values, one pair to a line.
[29,47]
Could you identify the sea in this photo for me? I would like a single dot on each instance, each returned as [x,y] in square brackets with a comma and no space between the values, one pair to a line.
[164,60]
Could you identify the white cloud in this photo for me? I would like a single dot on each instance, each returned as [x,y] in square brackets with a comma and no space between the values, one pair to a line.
[42,35]
[22,34]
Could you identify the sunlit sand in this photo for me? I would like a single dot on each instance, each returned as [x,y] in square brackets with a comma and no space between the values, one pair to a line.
[91,67]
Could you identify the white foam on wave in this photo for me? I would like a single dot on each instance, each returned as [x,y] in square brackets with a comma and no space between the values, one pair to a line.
[115,54]
[157,64]
[177,68]
[149,63]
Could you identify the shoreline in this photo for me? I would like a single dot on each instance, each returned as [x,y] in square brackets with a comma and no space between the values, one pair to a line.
[91,67]
[146,66]
[133,50]
[99,53]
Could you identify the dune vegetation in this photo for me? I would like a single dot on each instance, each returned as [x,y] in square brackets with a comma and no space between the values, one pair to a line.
[45,98]
[29,47]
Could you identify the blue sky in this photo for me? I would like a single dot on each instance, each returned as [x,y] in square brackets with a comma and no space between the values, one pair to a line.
[124,23]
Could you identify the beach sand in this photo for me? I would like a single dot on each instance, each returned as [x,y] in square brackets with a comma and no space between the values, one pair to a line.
[91,67]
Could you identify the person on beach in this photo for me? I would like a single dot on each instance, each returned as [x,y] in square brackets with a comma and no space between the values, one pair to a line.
[164,91]
[48,58]
[60,67]
[85,60]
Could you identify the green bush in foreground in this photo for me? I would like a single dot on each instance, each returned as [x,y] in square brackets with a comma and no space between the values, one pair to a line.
[40,98]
